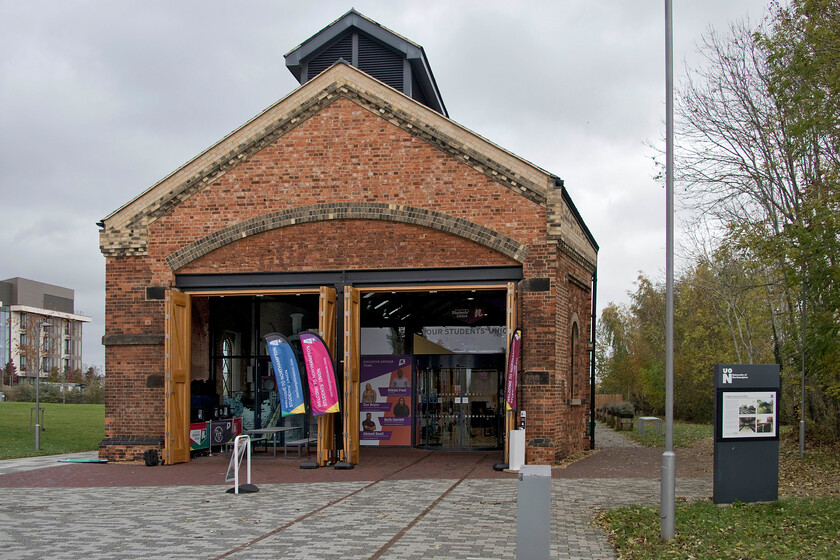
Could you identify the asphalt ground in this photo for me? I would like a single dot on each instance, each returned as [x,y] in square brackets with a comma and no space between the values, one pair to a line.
[396,503]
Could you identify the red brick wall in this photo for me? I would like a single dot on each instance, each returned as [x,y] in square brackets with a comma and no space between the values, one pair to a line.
[346,245]
[347,154]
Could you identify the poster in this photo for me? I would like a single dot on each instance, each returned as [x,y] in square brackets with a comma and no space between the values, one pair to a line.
[513,370]
[286,374]
[386,403]
[748,414]
[468,340]
[323,394]
[198,436]
[221,431]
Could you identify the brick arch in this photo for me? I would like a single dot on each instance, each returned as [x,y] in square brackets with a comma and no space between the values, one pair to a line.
[348,211]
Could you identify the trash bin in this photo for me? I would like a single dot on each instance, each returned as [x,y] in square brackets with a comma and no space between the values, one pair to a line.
[2,397]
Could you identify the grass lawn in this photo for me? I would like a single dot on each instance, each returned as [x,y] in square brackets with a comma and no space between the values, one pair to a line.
[789,528]
[804,523]
[684,435]
[68,428]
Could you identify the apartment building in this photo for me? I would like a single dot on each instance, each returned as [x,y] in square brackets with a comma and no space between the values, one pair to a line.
[39,324]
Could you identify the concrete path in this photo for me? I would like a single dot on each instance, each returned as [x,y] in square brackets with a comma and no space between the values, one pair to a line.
[9,466]
[437,516]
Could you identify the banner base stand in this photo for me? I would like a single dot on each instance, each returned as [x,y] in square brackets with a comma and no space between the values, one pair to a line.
[501,467]
[344,466]
[309,465]
[244,489]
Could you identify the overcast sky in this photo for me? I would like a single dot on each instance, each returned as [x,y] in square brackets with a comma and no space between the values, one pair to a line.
[101,99]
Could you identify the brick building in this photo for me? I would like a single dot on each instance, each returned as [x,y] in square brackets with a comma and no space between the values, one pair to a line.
[355,207]
[39,320]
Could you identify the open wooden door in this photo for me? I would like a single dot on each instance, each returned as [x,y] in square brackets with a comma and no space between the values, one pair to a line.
[510,415]
[326,328]
[176,446]
[352,350]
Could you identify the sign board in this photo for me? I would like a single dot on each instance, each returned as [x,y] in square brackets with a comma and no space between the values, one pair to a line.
[746,462]
[386,404]
[748,414]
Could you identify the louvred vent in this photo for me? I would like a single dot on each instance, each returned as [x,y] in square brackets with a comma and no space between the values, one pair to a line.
[380,62]
[343,48]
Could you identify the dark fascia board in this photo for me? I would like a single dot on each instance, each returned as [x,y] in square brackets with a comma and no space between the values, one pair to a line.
[413,52]
[421,68]
[558,183]
[199,282]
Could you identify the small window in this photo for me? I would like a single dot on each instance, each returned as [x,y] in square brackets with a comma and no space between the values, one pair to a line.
[572,361]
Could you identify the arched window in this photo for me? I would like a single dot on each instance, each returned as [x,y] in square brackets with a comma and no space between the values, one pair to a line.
[572,360]
[227,352]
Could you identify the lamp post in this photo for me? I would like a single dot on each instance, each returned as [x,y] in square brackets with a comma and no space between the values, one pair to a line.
[46,327]
[669,464]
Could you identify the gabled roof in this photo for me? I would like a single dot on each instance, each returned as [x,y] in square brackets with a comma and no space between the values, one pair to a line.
[321,48]
[125,231]
[341,80]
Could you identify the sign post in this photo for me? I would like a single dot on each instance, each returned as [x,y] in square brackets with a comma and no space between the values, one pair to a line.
[746,463]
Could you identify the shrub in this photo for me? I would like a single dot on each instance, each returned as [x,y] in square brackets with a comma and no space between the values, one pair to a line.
[623,409]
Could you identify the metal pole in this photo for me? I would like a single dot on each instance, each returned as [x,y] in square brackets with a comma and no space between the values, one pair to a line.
[37,390]
[668,482]
[802,404]
[592,362]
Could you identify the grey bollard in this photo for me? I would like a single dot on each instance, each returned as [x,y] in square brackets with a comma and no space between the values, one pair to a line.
[533,513]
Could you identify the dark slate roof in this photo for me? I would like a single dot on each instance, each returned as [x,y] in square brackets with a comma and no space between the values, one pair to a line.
[374,49]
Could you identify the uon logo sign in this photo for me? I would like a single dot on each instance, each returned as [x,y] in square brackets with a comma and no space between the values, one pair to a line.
[728,376]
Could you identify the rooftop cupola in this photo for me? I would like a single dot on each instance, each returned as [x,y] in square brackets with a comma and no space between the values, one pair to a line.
[373,49]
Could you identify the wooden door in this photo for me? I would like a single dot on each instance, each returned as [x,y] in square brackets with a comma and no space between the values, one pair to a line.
[177,378]
[510,415]
[326,328]
[352,351]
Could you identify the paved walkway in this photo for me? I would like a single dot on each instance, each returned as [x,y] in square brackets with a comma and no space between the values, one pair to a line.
[419,505]
[28,464]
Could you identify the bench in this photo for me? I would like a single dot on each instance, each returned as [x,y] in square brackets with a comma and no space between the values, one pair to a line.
[657,424]
[264,441]
[255,441]
[299,443]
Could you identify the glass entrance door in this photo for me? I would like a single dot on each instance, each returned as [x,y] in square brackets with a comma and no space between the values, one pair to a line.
[458,401]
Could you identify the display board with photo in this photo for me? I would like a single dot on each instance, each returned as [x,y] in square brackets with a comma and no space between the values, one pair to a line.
[386,401]
[749,414]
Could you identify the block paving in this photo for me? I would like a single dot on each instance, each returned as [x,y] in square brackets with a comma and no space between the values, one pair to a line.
[412,504]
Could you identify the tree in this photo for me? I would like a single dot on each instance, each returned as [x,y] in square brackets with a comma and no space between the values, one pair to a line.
[719,307]
[9,373]
[29,345]
[720,311]
[613,369]
[804,61]
[93,380]
[760,135]
[54,375]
